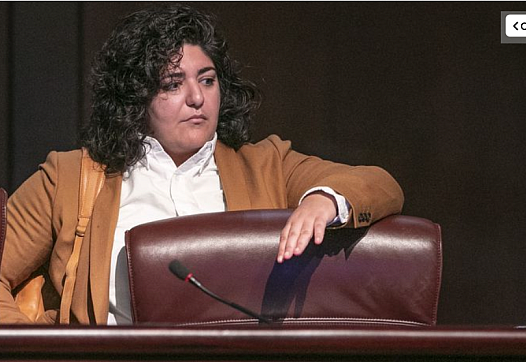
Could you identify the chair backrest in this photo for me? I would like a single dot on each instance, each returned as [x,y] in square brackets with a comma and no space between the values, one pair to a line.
[386,274]
[3,221]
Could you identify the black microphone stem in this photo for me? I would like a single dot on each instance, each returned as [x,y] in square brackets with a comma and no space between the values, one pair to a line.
[234,305]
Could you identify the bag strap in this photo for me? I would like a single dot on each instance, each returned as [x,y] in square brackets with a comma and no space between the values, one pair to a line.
[91,182]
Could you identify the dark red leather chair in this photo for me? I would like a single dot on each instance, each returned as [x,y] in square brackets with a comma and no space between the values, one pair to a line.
[3,221]
[386,274]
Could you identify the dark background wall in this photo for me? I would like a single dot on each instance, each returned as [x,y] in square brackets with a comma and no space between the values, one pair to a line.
[424,90]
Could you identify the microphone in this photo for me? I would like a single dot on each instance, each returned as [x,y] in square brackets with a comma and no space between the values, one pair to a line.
[180,271]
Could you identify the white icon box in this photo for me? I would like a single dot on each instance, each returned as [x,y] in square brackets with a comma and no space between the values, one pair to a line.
[516,25]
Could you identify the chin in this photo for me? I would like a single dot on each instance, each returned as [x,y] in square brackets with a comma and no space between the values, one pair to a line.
[197,144]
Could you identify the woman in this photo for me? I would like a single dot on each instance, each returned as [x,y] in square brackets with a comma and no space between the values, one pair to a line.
[170,128]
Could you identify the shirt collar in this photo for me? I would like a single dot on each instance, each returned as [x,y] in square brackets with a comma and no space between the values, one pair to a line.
[200,159]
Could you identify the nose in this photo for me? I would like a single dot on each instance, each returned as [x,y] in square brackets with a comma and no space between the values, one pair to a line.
[194,96]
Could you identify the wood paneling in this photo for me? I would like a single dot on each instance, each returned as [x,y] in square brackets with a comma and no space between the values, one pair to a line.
[4,94]
[45,76]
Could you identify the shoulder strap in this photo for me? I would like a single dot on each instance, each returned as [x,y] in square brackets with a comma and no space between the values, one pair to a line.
[3,220]
[91,182]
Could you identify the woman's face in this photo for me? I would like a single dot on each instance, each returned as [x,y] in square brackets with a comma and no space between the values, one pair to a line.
[183,115]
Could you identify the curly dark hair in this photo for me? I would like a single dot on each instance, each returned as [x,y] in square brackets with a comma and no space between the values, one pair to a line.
[126,76]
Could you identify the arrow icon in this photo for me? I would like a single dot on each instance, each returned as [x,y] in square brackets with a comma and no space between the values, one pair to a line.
[515,26]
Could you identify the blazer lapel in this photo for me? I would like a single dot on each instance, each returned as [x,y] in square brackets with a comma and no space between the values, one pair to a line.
[103,223]
[232,178]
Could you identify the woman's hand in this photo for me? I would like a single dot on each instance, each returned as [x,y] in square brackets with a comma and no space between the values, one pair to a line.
[310,218]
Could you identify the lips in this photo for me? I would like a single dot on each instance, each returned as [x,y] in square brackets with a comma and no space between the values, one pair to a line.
[195,118]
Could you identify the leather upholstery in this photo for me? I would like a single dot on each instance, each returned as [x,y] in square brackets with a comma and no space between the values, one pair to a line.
[3,220]
[387,274]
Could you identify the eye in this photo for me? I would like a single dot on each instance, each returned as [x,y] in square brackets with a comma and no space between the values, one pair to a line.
[171,86]
[208,81]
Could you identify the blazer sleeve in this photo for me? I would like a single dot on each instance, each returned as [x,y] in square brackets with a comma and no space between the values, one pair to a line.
[371,191]
[29,237]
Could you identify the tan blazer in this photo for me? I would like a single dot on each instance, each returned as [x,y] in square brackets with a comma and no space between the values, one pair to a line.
[42,215]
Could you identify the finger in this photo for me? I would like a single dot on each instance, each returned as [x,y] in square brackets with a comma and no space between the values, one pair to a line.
[283,242]
[292,240]
[305,236]
[319,231]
